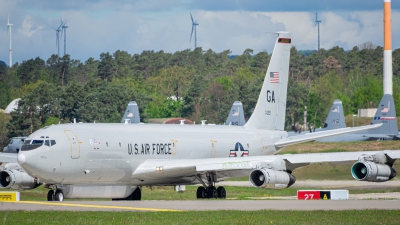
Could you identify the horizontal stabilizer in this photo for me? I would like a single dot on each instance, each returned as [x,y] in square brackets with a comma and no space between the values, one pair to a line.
[322,134]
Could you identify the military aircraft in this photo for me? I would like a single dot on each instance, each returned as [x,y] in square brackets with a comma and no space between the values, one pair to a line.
[131,113]
[334,120]
[15,145]
[385,115]
[115,160]
[236,115]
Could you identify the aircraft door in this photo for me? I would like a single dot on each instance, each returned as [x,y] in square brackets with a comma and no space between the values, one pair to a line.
[74,144]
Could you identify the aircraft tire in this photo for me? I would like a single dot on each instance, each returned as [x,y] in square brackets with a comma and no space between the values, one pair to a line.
[50,195]
[221,192]
[59,196]
[212,192]
[201,192]
[136,195]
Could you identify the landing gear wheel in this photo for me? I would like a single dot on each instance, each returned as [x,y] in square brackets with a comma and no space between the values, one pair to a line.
[201,192]
[59,196]
[212,192]
[50,196]
[136,195]
[221,193]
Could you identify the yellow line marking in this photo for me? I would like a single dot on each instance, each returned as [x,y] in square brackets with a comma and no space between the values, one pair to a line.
[96,206]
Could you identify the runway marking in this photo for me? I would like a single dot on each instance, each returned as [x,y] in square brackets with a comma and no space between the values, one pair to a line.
[97,206]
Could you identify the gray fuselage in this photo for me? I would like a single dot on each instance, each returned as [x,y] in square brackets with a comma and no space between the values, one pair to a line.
[110,153]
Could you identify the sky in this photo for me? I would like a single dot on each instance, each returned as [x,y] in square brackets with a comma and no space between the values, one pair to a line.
[99,26]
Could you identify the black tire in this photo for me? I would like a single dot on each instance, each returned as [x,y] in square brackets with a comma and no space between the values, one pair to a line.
[221,192]
[136,195]
[212,192]
[59,196]
[201,192]
[50,196]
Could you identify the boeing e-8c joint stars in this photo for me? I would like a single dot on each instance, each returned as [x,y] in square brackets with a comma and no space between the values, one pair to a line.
[115,160]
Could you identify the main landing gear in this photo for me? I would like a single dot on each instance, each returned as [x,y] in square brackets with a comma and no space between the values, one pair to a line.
[210,191]
[135,196]
[56,195]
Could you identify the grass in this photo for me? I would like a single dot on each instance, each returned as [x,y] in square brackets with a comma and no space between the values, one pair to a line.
[204,217]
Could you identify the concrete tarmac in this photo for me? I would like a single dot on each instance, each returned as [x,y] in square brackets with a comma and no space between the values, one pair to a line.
[356,201]
[202,205]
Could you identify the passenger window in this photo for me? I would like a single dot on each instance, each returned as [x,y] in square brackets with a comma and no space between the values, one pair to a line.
[53,142]
[47,143]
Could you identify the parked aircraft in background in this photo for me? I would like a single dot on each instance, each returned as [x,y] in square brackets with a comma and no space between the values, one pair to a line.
[115,160]
[385,115]
[131,113]
[15,145]
[334,120]
[236,115]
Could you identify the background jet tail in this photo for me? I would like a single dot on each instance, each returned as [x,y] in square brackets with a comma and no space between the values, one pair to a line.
[270,109]
[335,117]
[236,115]
[386,114]
[131,113]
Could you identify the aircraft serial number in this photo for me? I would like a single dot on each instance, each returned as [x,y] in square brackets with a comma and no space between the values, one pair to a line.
[150,149]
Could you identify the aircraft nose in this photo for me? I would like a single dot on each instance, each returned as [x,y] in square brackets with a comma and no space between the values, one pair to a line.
[21,158]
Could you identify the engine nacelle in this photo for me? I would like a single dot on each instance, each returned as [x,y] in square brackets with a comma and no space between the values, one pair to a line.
[267,178]
[17,180]
[373,172]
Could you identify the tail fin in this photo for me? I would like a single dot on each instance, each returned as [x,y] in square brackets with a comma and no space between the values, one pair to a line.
[131,113]
[236,115]
[335,117]
[386,114]
[271,105]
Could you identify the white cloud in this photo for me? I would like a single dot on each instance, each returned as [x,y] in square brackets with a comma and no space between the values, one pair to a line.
[28,28]
[89,36]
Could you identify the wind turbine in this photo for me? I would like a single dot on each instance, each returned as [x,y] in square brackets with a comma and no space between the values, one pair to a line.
[64,28]
[9,32]
[317,24]
[58,35]
[194,24]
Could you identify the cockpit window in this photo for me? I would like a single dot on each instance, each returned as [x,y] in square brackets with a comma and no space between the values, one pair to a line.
[37,142]
[47,143]
[53,142]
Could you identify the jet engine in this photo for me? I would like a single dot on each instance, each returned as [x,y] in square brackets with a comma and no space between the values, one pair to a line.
[17,180]
[371,171]
[267,178]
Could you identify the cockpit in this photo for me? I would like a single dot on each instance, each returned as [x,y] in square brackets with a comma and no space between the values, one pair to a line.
[30,144]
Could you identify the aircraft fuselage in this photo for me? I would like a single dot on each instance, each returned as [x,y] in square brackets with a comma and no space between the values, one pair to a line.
[110,153]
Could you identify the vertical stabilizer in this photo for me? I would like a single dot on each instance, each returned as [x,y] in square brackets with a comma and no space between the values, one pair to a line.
[270,109]
[335,117]
[387,48]
[131,113]
[386,114]
[236,115]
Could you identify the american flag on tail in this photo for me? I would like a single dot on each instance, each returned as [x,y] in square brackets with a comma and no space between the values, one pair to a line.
[274,77]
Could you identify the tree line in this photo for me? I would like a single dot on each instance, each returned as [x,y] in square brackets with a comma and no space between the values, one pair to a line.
[196,84]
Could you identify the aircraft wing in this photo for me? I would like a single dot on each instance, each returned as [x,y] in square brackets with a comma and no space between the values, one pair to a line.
[296,139]
[8,157]
[153,169]
[377,136]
